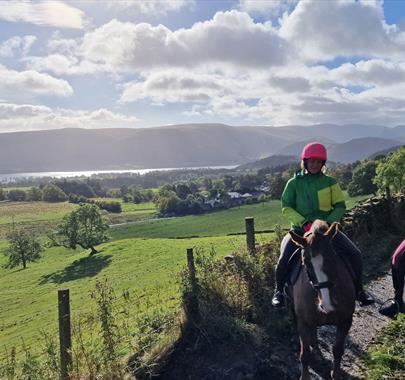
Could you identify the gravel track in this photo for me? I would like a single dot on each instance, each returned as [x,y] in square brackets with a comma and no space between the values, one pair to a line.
[367,322]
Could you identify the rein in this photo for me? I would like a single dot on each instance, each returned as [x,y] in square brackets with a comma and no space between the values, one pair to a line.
[312,276]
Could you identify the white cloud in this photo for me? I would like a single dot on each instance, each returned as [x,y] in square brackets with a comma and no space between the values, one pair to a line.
[155,7]
[324,30]
[370,73]
[60,64]
[46,13]
[17,46]
[20,117]
[230,39]
[172,86]
[29,83]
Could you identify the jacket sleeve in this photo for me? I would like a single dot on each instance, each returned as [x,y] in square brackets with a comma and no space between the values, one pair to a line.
[288,205]
[338,204]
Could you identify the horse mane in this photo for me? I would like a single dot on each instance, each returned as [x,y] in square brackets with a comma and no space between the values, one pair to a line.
[319,227]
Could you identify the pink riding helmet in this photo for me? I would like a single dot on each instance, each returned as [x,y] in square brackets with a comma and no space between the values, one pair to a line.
[314,150]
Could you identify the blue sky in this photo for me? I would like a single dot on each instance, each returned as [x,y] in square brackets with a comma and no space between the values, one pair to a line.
[98,64]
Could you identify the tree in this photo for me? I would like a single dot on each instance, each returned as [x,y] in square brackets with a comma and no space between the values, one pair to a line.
[75,187]
[182,190]
[276,183]
[52,193]
[362,179]
[83,227]
[24,247]
[17,195]
[35,194]
[390,173]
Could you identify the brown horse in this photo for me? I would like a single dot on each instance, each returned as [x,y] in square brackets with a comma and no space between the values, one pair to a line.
[324,294]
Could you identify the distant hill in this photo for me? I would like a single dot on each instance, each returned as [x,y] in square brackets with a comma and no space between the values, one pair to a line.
[384,152]
[271,162]
[359,149]
[182,146]
[350,151]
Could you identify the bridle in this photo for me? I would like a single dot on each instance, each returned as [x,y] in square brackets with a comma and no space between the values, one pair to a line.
[306,259]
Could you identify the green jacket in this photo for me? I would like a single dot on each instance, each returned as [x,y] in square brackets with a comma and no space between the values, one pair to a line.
[307,197]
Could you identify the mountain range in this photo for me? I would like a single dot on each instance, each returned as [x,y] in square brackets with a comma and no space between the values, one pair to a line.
[189,145]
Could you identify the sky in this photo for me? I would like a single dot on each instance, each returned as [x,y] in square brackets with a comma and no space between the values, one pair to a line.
[139,64]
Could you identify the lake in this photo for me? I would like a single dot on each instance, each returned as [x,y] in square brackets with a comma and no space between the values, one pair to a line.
[10,177]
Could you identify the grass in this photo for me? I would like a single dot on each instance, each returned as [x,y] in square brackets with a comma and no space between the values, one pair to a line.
[142,257]
[37,216]
[42,216]
[22,212]
[132,212]
[147,267]
[385,359]
[217,223]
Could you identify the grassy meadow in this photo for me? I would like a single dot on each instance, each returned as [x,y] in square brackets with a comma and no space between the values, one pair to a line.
[142,257]
[146,267]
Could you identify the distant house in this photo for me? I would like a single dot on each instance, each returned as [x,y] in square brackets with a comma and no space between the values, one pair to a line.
[236,198]
[234,194]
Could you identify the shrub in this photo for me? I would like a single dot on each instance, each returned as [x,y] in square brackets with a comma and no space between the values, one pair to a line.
[52,193]
[35,194]
[110,206]
[17,195]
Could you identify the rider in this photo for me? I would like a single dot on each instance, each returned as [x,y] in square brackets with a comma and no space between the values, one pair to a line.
[311,195]
[398,280]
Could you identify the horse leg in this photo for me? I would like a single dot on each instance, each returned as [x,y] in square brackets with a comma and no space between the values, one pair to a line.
[338,349]
[316,352]
[305,334]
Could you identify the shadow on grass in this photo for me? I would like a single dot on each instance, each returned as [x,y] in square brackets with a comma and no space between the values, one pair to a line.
[85,267]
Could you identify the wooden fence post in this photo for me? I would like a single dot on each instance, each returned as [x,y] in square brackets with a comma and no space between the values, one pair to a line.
[193,301]
[65,337]
[250,234]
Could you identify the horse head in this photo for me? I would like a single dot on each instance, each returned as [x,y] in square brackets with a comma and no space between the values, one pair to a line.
[318,258]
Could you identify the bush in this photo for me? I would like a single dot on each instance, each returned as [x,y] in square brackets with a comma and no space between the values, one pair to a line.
[110,206]
[77,199]
[17,195]
[75,187]
[35,194]
[52,193]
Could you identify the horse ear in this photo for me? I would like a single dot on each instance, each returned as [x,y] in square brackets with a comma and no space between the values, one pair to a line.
[333,229]
[297,239]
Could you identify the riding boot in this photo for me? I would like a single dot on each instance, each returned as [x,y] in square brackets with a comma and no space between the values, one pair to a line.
[287,248]
[281,274]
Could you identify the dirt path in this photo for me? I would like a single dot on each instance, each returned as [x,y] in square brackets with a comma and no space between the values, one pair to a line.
[367,322]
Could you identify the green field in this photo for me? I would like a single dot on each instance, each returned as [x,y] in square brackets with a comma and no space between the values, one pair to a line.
[143,257]
[146,267]
[218,223]
[213,224]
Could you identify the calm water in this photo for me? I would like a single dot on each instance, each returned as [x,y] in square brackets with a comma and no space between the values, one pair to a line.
[10,177]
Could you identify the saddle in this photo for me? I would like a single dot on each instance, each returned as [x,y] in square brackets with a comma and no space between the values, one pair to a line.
[295,266]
